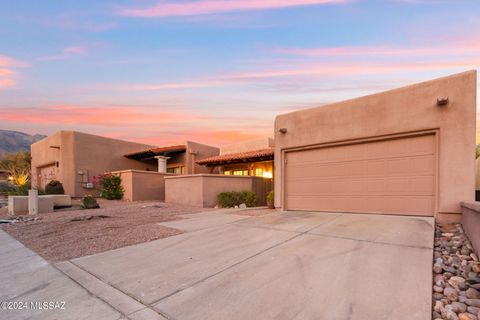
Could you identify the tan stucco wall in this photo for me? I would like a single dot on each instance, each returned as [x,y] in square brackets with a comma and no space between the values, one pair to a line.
[248,145]
[409,109]
[141,185]
[55,150]
[91,154]
[202,189]
[197,151]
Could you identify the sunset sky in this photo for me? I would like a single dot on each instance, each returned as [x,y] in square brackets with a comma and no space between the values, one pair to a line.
[215,71]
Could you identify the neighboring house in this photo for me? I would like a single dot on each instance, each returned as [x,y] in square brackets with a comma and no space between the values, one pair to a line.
[75,158]
[408,151]
[4,176]
[244,166]
[179,159]
[250,158]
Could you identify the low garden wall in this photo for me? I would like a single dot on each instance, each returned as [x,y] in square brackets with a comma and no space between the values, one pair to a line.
[143,185]
[471,223]
[202,189]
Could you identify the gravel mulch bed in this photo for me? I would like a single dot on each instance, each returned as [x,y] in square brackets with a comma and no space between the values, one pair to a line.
[68,234]
[456,270]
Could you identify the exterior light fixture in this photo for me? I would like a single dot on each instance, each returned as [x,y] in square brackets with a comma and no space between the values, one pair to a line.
[443,101]
[282,130]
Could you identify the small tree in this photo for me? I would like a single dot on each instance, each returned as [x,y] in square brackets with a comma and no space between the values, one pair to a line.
[111,186]
[18,167]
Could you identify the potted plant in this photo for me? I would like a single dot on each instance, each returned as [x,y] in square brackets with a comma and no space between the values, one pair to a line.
[271,200]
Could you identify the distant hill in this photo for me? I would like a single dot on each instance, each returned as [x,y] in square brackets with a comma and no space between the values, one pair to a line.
[14,141]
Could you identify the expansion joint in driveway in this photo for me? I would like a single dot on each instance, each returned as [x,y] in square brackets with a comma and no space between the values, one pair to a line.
[125,304]
[296,235]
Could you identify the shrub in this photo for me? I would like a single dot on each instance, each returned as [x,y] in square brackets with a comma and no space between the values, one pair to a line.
[233,198]
[90,202]
[54,187]
[111,186]
[7,188]
[270,197]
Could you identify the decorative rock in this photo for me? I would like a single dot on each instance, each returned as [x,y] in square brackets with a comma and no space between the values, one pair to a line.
[438,306]
[451,294]
[449,314]
[458,307]
[437,289]
[437,268]
[472,293]
[466,316]
[455,281]
[473,302]
[473,310]
[437,296]
[242,206]
[476,267]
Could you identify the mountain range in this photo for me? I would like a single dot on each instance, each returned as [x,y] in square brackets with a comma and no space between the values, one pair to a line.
[15,141]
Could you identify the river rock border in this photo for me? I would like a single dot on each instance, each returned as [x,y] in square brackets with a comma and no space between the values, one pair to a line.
[456,270]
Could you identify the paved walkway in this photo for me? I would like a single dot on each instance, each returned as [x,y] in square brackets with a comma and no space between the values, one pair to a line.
[294,265]
[30,288]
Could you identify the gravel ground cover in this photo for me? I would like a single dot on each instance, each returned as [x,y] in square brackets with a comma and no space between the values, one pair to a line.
[456,270]
[68,234]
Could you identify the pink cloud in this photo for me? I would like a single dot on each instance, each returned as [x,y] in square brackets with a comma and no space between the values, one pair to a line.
[202,7]
[102,116]
[11,62]
[8,76]
[6,83]
[451,49]
[212,137]
[309,70]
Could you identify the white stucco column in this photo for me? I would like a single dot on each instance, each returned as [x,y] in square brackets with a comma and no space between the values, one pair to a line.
[162,163]
[32,201]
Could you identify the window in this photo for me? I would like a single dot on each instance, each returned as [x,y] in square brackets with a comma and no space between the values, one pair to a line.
[177,170]
[228,172]
[258,172]
[240,172]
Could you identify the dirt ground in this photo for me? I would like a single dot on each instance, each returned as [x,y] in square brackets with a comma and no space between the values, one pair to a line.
[64,235]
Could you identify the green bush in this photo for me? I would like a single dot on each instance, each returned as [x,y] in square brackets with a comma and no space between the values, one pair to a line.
[270,197]
[7,188]
[54,187]
[90,202]
[111,186]
[234,198]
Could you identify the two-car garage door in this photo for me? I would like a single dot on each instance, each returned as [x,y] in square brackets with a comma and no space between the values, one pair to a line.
[396,176]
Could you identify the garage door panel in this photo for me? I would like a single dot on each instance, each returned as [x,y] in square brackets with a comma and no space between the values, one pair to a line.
[392,176]
[414,185]
[394,205]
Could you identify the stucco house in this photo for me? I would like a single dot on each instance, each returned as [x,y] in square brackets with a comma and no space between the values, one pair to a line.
[75,158]
[249,158]
[242,166]
[408,151]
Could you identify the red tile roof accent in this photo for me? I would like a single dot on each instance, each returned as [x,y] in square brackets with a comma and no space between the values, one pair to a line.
[254,155]
[156,151]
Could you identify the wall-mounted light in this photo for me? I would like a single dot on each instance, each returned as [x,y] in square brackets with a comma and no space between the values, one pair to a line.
[443,101]
[282,130]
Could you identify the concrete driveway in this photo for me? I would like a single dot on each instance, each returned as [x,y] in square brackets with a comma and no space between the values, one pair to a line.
[294,265]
